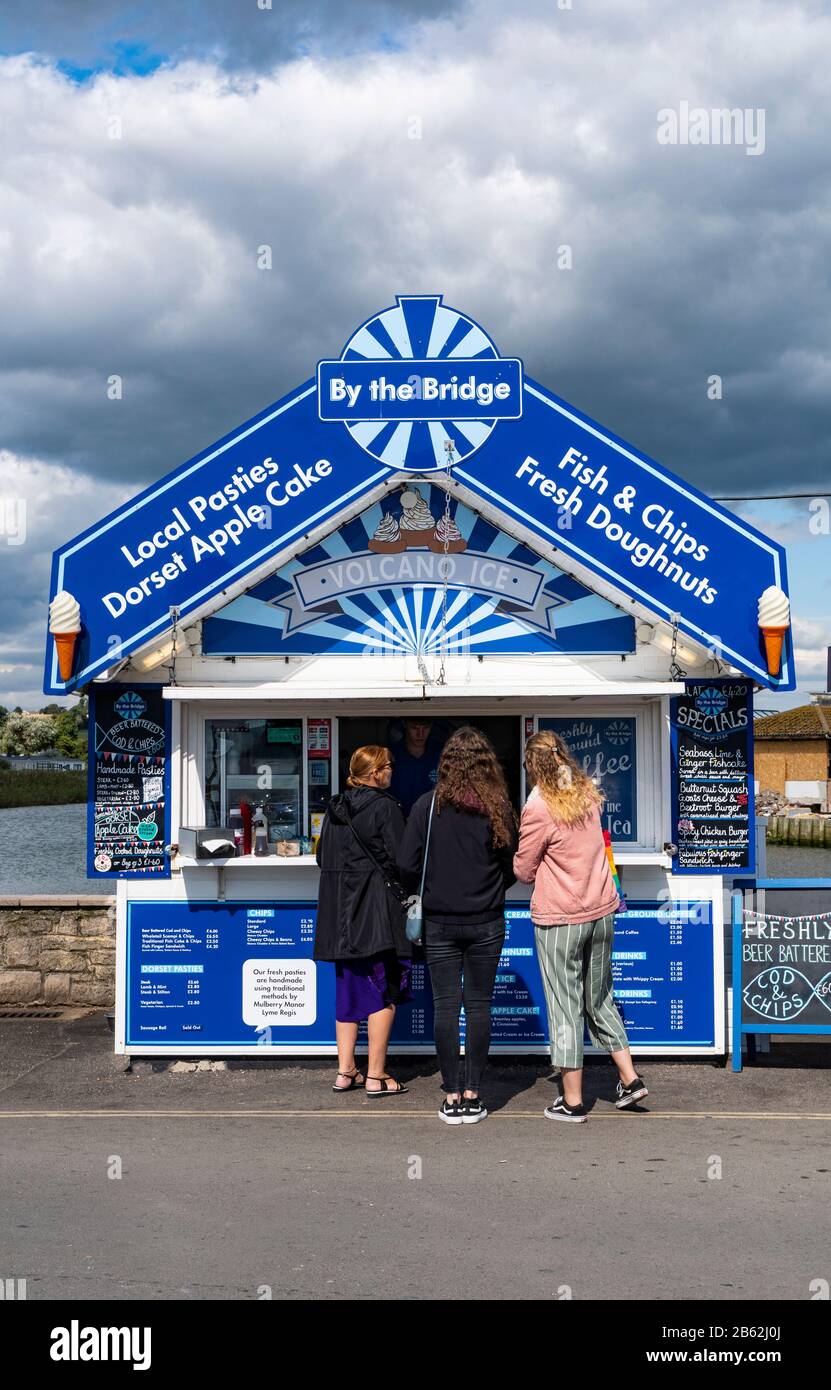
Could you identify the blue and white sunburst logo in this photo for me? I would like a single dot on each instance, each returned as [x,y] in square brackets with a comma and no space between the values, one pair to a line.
[416,376]
[130,705]
[711,700]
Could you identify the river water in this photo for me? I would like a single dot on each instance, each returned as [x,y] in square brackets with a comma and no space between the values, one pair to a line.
[43,850]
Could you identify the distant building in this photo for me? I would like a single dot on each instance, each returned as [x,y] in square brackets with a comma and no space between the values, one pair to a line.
[49,761]
[793,752]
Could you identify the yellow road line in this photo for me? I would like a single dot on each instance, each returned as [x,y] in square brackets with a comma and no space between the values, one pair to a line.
[388,1113]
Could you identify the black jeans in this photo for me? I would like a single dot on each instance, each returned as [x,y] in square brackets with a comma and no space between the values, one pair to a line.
[462,962]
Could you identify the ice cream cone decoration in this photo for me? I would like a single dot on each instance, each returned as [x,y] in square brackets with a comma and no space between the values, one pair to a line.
[774,621]
[65,627]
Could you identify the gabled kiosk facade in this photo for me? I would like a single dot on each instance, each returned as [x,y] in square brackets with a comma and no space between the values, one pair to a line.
[418,532]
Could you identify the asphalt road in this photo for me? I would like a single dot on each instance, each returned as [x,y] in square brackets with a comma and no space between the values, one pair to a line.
[256,1180]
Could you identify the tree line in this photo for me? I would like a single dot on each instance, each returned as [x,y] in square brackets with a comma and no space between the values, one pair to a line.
[55,728]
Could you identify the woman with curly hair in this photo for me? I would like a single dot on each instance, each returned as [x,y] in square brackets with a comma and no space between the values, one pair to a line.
[472,839]
[562,852]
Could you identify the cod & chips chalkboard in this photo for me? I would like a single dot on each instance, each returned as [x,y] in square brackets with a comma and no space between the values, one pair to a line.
[129,798]
[781,959]
[713,819]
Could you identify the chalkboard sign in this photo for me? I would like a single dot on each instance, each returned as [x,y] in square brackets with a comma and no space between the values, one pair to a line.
[606,750]
[712,778]
[129,740]
[781,959]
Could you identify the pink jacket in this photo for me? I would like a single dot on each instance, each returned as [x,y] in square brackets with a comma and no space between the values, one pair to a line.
[567,865]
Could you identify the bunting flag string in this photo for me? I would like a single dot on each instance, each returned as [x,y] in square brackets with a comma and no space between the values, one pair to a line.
[784,920]
[149,758]
[128,805]
[127,848]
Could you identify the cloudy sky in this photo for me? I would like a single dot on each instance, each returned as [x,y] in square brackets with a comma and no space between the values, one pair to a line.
[148,149]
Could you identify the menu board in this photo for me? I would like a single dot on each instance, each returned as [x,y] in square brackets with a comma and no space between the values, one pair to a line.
[713,822]
[606,749]
[129,739]
[239,976]
[785,962]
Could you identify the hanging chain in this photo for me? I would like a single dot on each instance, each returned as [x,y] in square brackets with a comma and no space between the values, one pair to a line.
[449,448]
[174,617]
[676,672]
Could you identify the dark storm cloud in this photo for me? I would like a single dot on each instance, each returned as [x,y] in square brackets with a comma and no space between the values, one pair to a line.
[92,34]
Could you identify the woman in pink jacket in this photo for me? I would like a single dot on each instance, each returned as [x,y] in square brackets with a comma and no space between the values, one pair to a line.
[561,851]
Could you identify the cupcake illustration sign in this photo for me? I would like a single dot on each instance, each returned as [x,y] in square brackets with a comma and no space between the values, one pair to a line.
[377,586]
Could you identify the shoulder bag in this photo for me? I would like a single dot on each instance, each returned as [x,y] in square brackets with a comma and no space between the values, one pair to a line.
[415,924]
[394,887]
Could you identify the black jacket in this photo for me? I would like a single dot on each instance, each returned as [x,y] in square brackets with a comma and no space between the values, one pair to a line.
[466,877]
[357,914]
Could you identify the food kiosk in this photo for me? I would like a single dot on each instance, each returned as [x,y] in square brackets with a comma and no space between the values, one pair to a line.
[419,531]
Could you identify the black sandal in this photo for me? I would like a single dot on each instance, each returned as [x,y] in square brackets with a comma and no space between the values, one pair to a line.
[386,1090]
[354,1083]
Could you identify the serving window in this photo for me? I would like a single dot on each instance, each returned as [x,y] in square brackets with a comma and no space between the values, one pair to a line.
[281,764]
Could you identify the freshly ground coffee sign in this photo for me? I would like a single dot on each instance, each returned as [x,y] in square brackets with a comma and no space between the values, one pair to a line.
[419,387]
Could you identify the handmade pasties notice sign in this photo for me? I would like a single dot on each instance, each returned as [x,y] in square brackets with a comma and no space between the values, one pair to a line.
[128,791]
[712,777]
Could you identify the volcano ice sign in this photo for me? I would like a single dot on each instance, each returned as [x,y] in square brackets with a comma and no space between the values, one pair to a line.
[712,777]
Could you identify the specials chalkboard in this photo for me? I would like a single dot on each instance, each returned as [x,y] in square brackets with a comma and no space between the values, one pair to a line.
[781,959]
[713,822]
[129,744]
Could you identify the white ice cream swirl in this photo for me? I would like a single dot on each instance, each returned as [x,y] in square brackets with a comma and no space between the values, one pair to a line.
[447,530]
[64,613]
[387,529]
[774,608]
[416,517]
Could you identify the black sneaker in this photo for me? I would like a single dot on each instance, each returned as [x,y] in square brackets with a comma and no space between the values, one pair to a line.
[629,1095]
[473,1110]
[451,1113]
[560,1111]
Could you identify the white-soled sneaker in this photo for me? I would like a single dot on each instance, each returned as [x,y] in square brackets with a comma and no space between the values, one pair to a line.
[576,1114]
[451,1112]
[473,1110]
[631,1094]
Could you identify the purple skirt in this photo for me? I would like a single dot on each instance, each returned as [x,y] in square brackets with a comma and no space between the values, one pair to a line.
[364,986]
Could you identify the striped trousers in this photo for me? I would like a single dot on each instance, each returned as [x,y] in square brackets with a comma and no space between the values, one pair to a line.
[576,968]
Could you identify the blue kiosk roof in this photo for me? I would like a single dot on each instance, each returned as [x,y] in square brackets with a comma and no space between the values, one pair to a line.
[418,386]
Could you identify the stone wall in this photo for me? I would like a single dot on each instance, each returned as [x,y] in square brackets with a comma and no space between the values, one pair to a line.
[57,950]
[799,830]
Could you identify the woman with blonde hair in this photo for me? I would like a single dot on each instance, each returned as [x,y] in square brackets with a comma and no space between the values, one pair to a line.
[360,918]
[562,852]
[466,831]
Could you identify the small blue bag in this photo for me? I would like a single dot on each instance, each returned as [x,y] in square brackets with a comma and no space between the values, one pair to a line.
[415,923]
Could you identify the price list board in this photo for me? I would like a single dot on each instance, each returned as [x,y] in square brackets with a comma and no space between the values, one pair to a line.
[713,821]
[237,977]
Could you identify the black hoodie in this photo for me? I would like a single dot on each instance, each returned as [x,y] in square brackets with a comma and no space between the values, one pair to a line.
[466,877]
[360,910]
